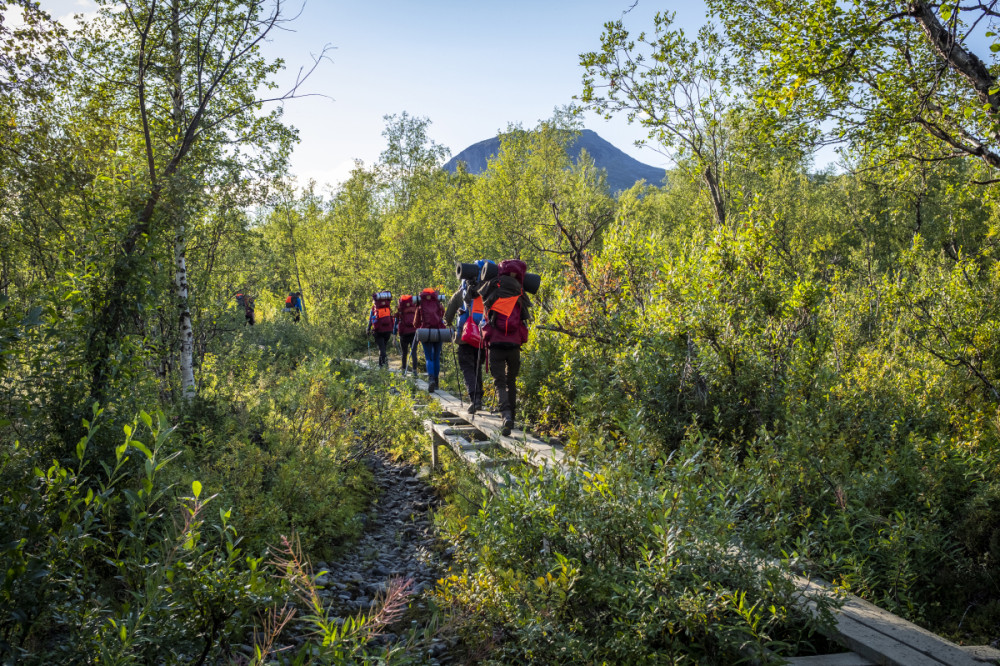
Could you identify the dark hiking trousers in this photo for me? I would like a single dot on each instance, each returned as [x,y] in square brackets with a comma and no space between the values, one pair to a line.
[504,366]
[382,340]
[472,362]
[405,341]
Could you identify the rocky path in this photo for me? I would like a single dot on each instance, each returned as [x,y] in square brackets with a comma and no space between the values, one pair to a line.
[398,543]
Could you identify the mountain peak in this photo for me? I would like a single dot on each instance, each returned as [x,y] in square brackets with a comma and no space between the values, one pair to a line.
[623,171]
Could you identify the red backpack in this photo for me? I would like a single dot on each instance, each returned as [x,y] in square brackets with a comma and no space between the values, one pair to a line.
[382,321]
[431,312]
[405,312]
[503,319]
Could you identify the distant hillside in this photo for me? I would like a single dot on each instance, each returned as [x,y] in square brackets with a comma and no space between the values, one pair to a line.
[623,171]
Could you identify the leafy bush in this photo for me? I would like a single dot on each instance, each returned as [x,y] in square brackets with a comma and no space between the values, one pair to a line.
[112,565]
[633,561]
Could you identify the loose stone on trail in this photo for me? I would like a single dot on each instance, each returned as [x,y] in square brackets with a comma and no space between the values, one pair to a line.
[398,542]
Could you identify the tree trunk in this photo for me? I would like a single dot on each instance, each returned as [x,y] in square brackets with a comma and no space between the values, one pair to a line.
[185,329]
[184,326]
[716,193]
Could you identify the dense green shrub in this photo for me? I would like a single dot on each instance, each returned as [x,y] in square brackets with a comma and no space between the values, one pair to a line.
[105,562]
[633,561]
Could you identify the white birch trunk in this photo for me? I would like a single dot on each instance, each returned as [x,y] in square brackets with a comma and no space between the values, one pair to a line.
[188,389]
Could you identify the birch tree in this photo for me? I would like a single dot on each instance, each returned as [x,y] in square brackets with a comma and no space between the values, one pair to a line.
[186,76]
[676,87]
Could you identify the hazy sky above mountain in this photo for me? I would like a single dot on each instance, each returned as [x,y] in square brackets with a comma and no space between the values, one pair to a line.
[471,67]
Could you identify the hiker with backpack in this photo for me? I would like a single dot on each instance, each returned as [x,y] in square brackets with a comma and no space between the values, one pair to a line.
[247,302]
[293,304]
[505,329]
[382,324]
[468,305]
[431,331]
[406,310]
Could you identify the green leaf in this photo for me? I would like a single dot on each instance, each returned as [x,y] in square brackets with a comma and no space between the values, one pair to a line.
[196,488]
[147,419]
[142,447]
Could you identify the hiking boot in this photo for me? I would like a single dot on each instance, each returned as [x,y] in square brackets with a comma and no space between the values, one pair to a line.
[432,386]
[474,407]
[508,425]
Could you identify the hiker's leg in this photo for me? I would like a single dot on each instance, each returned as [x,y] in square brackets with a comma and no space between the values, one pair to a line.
[498,368]
[513,368]
[467,363]
[405,340]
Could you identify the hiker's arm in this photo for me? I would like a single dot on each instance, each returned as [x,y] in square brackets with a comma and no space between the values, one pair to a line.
[453,305]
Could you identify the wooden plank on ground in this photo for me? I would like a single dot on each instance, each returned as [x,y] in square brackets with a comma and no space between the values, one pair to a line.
[984,654]
[461,430]
[478,463]
[842,659]
[520,443]
[478,446]
[880,636]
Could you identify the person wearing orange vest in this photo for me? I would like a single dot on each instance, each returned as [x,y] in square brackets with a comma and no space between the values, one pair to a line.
[381,323]
[507,312]
[468,305]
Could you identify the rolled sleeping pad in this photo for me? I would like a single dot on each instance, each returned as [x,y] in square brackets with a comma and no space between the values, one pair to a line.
[434,334]
[467,271]
[532,281]
[384,295]
[488,272]
[442,298]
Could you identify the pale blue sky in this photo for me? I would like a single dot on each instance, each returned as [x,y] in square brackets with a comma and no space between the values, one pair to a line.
[470,66]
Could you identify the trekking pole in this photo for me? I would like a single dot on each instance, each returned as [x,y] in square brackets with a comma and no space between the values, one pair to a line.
[479,378]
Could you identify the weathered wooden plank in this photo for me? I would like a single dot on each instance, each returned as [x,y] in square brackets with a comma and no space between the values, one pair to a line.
[984,654]
[462,430]
[881,636]
[429,429]
[842,659]
[537,451]
[479,446]
[881,649]
[907,633]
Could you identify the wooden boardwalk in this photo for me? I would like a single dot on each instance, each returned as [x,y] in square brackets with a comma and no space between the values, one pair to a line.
[871,635]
